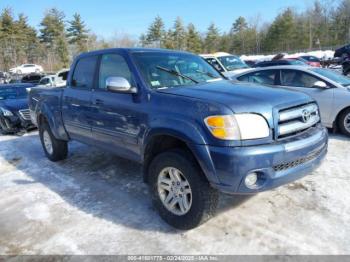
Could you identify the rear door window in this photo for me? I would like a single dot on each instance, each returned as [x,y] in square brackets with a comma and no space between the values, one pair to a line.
[265,77]
[83,76]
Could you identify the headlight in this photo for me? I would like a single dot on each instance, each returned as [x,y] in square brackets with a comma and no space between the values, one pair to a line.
[238,126]
[6,112]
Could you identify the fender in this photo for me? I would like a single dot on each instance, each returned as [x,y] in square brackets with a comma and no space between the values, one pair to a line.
[190,134]
[54,120]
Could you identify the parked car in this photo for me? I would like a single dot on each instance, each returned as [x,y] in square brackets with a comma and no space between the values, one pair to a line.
[14,112]
[32,78]
[280,62]
[26,69]
[330,89]
[225,63]
[312,60]
[52,81]
[194,132]
[344,54]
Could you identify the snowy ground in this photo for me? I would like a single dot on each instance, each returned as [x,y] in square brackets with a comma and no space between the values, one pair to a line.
[95,203]
[327,54]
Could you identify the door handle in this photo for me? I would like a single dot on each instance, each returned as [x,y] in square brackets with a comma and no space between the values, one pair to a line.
[98,102]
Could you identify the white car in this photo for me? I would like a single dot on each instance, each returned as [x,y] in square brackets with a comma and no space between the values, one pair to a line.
[229,65]
[26,69]
[329,88]
[51,81]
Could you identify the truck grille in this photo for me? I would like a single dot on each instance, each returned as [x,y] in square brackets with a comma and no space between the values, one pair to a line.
[299,161]
[297,119]
[25,114]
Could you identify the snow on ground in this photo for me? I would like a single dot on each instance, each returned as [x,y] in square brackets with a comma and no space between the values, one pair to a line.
[95,203]
[327,54]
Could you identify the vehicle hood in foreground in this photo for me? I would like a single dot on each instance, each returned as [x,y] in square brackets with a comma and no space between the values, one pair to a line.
[242,97]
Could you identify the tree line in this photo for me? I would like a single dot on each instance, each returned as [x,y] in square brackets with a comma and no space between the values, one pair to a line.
[324,24]
[58,38]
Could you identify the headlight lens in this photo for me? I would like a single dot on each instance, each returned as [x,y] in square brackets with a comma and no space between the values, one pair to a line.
[6,112]
[238,126]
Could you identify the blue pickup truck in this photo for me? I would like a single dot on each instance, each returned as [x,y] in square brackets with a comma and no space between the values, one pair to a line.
[194,132]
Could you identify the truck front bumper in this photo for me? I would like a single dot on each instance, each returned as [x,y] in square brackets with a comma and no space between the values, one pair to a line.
[275,164]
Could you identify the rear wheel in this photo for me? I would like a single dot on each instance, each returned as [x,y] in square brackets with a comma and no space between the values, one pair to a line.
[180,191]
[344,122]
[54,149]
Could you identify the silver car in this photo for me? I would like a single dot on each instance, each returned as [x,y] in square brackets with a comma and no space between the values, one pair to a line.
[329,88]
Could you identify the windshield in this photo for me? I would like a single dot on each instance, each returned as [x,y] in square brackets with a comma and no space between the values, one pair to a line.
[232,62]
[161,69]
[296,62]
[333,75]
[12,93]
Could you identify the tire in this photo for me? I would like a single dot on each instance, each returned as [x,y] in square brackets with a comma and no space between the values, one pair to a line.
[59,148]
[344,122]
[202,202]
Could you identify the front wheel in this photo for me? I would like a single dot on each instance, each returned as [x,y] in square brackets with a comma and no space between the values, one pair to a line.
[344,122]
[54,149]
[180,191]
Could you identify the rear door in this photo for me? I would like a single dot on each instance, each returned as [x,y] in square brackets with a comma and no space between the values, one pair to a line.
[76,100]
[298,80]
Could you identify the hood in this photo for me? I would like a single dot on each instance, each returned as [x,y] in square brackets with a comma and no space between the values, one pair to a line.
[14,104]
[241,97]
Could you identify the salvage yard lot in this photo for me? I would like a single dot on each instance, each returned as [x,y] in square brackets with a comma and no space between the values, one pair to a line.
[96,203]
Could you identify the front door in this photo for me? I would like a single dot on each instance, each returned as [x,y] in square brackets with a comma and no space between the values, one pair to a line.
[116,118]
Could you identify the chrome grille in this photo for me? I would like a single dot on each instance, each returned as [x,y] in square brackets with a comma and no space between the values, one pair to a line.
[297,119]
[300,161]
[25,114]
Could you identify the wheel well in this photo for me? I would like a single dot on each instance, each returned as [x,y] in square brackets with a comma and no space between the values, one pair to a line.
[41,120]
[335,124]
[157,145]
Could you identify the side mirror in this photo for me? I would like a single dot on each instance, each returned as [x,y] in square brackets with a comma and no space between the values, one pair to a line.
[120,85]
[320,84]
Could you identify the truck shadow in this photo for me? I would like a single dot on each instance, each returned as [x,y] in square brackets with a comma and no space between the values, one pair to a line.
[96,182]
[93,181]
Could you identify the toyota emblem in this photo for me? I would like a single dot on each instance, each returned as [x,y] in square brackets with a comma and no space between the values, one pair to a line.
[306,115]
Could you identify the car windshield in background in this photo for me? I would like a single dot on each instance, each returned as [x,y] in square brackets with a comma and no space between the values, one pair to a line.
[333,75]
[296,62]
[161,69]
[311,58]
[12,93]
[232,62]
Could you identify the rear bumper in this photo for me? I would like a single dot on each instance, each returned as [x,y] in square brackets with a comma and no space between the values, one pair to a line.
[276,164]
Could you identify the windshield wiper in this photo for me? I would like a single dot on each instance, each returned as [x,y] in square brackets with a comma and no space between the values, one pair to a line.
[173,72]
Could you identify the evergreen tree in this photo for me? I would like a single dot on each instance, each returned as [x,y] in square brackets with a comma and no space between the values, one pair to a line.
[8,39]
[193,39]
[211,42]
[155,33]
[53,35]
[179,34]
[77,33]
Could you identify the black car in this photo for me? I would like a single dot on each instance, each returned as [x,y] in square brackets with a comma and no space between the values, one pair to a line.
[32,78]
[342,52]
[280,62]
[14,112]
